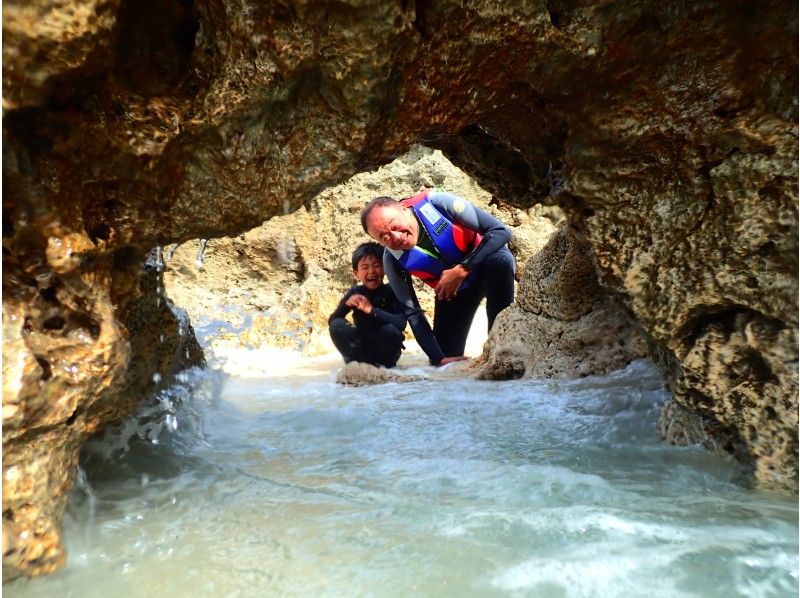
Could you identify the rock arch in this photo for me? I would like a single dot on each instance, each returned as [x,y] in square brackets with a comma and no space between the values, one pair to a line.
[667,133]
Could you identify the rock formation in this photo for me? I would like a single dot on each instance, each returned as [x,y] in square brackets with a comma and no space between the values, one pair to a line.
[562,325]
[667,132]
[365,374]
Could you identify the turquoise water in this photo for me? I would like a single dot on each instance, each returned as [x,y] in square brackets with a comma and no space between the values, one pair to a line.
[296,486]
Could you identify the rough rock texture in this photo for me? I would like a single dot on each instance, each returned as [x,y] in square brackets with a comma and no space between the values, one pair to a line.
[678,425]
[667,131]
[70,368]
[277,284]
[365,374]
[562,324]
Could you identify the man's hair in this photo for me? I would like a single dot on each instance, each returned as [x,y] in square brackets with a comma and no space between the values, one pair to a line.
[377,202]
[365,249]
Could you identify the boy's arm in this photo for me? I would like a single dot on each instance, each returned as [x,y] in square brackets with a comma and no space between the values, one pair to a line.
[495,234]
[342,309]
[400,281]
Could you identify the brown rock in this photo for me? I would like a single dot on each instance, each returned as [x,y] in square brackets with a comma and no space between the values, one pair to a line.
[562,325]
[560,281]
[356,373]
[668,132]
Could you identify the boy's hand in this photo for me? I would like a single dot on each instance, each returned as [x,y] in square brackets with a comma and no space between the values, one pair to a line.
[359,302]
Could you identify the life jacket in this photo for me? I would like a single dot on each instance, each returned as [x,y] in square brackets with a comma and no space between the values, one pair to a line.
[452,240]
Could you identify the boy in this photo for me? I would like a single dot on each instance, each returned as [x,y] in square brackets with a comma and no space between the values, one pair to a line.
[377,336]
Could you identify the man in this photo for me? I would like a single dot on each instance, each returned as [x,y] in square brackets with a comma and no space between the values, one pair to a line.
[454,247]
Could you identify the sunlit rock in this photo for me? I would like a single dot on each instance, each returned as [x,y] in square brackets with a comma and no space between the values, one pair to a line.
[668,132]
[356,373]
[562,324]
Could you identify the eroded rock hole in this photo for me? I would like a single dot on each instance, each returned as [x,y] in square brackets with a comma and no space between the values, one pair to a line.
[767,248]
[47,371]
[49,294]
[100,231]
[54,323]
[159,38]
[556,11]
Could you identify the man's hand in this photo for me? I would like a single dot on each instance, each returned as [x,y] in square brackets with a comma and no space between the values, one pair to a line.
[359,302]
[450,281]
[446,360]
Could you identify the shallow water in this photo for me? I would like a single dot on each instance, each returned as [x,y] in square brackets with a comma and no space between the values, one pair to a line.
[296,486]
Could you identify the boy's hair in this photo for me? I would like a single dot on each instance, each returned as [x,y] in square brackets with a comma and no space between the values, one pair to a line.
[365,249]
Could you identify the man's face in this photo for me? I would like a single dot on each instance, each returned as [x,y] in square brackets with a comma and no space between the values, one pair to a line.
[393,226]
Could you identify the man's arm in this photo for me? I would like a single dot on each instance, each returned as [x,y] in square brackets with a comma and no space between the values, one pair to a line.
[495,234]
[400,281]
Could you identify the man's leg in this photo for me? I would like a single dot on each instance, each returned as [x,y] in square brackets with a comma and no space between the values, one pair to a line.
[497,278]
[346,339]
[452,319]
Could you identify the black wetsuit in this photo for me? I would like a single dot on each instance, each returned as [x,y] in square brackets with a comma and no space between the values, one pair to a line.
[493,269]
[376,338]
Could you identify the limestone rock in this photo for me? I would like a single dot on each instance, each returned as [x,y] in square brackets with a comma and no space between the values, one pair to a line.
[560,281]
[69,369]
[677,425]
[528,239]
[668,132]
[363,374]
[734,357]
[75,37]
[356,373]
[526,345]
[562,324]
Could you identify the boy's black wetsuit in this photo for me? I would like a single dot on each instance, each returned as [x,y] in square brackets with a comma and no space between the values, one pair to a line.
[376,338]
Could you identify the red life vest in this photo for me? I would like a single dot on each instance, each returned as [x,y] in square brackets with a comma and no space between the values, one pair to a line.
[452,240]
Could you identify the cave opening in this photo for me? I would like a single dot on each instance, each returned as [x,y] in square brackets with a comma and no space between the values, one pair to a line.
[275,285]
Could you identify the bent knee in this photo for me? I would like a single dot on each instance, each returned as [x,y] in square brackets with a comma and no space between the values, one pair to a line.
[500,264]
[338,327]
[392,333]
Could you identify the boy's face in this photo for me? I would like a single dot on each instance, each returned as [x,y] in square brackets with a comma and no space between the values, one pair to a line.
[369,272]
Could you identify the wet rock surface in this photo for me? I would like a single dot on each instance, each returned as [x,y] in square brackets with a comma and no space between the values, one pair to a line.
[364,374]
[562,325]
[73,362]
[667,133]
